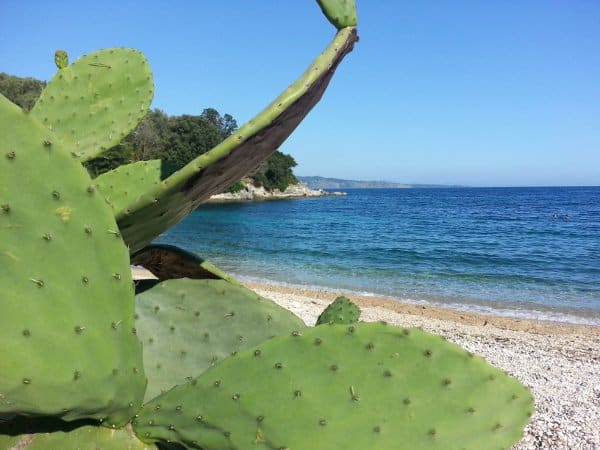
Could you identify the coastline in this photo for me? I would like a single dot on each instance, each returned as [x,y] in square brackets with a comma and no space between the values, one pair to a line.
[435,312]
[252,193]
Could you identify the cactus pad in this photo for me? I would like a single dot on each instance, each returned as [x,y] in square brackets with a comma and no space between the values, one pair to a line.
[337,386]
[88,437]
[67,296]
[146,214]
[168,262]
[126,183]
[187,326]
[95,102]
[341,13]
[61,59]
[341,311]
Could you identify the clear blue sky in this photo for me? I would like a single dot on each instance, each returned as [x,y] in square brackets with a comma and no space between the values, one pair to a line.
[483,93]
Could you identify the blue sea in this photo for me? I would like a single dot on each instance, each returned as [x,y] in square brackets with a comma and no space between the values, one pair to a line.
[521,252]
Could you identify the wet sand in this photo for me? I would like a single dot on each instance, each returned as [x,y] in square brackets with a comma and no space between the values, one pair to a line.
[435,312]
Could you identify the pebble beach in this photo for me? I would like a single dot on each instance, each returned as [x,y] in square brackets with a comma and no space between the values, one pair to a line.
[560,363]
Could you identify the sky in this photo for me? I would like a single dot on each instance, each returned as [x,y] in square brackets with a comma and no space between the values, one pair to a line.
[478,93]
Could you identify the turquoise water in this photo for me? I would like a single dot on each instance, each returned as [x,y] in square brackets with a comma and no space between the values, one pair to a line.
[524,252]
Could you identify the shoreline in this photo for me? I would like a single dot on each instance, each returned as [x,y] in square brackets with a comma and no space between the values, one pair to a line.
[433,311]
[251,193]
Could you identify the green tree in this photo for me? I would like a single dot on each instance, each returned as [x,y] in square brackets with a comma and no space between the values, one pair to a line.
[111,159]
[276,172]
[21,91]
[235,187]
[189,137]
[225,124]
[148,138]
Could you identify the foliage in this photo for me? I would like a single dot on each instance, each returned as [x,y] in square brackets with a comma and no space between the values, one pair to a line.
[188,137]
[21,91]
[276,172]
[149,138]
[235,187]
[111,159]
[226,124]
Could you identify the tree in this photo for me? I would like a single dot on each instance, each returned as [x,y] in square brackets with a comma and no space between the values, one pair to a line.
[148,139]
[21,91]
[229,125]
[111,159]
[226,124]
[189,137]
[276,172]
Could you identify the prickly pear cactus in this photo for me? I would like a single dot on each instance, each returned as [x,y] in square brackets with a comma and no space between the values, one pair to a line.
[95,102]
[188,326]
[84,437]
[67,301]
[341,13]
[337,386]
[341,311]
[145,210]
[61,59]
[126,183]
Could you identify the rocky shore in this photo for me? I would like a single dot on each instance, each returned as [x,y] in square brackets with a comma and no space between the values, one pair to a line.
[253,193]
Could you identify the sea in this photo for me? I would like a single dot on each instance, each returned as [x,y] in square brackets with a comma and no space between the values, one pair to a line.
[531,253]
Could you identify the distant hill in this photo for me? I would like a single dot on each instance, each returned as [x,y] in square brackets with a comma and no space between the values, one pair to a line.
[336,183]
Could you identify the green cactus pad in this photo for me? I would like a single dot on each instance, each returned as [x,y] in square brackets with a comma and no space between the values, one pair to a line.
[146,213]
[8,442]
[341,311]
[362,386]
[187,326]
[168,261]
[66,340]
[95,102]
[341,13]
[127,183]
[61,59]
[87,437]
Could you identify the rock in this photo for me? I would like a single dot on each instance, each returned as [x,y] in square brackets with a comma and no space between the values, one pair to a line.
[252,193]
